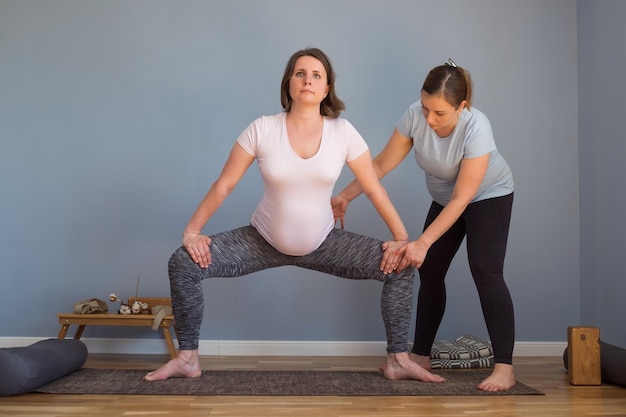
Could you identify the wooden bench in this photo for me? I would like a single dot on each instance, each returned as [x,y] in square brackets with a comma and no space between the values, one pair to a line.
[115,319]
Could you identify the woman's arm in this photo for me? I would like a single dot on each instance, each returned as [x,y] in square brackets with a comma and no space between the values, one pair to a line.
[235,167]
[471,175]
[365,174]
[390,157]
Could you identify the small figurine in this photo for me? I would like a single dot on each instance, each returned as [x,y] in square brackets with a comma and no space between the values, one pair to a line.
[125,309]
[136,308]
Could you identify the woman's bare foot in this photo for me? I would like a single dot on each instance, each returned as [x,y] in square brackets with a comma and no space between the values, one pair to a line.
[185,365]
[501,379]
[423,361]
[400,366]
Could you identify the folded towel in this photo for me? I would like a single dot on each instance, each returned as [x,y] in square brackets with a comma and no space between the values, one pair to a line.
[91,306]
[159,312]
[463,352]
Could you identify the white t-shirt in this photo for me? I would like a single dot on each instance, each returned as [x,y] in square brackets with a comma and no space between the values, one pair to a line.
[295,214]
[440,158]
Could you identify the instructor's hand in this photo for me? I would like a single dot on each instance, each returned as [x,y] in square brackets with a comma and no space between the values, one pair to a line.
[393,254]
[414,254]
[339,205]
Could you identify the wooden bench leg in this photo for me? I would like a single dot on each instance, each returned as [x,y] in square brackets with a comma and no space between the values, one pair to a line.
[65,327]
[79,331]
[63,331]
[169,341]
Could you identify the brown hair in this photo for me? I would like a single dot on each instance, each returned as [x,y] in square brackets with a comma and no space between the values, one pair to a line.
[452,82]
[331,106]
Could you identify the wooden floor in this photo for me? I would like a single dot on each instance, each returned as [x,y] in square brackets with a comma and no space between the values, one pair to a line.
[545,374]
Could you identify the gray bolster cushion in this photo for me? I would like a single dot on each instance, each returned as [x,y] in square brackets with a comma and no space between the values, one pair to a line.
[23,369]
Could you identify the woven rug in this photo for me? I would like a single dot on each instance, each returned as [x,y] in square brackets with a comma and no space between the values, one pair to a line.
[275,383]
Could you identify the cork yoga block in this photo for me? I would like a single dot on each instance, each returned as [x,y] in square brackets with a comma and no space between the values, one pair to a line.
[584,355]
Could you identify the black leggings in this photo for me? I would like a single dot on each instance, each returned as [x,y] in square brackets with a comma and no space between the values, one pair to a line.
[486,225]
[244,251]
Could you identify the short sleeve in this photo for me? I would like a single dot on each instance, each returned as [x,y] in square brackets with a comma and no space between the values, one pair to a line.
[405,124]
[356,144]
[479,136]
[249,138]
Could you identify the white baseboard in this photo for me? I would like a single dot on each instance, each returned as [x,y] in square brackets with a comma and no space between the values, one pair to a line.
[267,348]
[539,348]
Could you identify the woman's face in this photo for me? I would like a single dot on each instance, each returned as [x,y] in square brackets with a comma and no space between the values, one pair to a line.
[440,115]
[308,83]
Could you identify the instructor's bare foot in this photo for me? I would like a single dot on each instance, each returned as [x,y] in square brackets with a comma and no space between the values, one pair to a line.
[423,361]
[185,365]
[501,379]
[400,366]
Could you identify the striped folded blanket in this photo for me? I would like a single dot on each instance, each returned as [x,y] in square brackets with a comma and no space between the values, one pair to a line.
[463,352]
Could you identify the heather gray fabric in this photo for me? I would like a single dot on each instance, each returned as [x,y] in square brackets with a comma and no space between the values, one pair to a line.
[23,369]
[243,251]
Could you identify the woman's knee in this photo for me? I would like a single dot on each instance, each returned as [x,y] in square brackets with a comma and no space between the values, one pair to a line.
[487,273]
[180,259]
[407,274]
[404,279]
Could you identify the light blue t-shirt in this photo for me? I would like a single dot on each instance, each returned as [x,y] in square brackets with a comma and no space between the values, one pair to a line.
[440,158]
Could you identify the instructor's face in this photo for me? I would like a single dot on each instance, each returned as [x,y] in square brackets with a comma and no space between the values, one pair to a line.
[440,115]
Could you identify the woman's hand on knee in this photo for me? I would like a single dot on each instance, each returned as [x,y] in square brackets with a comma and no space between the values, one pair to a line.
[197,246]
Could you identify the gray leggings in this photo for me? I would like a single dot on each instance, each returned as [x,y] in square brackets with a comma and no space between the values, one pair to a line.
[243,251]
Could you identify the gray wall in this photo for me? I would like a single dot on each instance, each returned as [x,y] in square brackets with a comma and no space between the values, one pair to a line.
[116,116]
[602,98]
